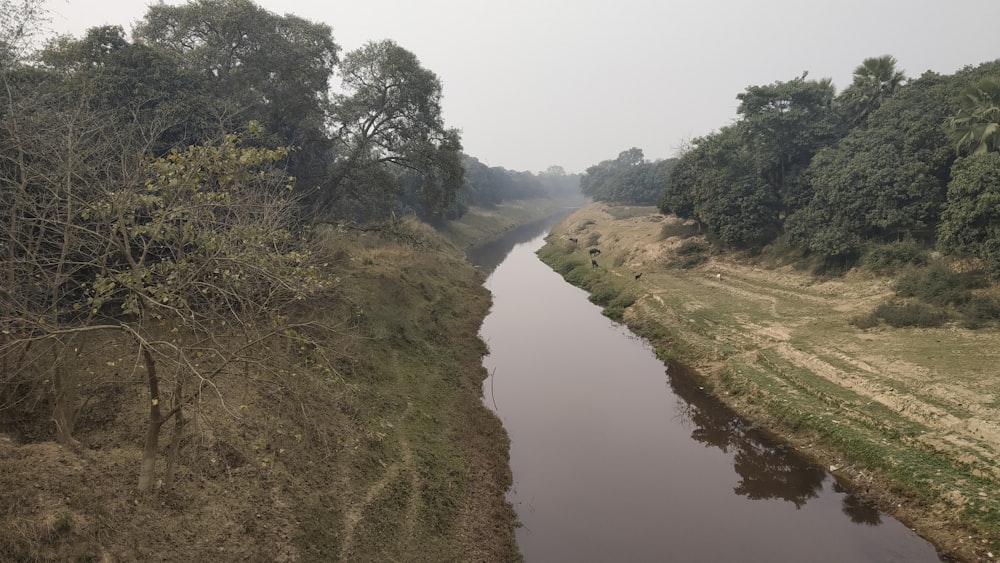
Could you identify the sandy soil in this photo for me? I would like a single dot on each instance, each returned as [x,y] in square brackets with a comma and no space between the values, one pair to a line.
[735,316]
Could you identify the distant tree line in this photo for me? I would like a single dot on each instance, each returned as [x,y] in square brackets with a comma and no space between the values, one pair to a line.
[627,179]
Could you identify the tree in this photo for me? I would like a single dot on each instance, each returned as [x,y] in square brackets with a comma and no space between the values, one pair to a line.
[975,128]
[204,245]
[254,65]
[629,178]
[389,120]
[884,181]
[715,183]
[875,81]
[20,21]
[139,83]
[175,253]
[784,124]
[970,222]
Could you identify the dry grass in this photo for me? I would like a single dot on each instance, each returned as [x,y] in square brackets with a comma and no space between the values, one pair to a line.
[366,440]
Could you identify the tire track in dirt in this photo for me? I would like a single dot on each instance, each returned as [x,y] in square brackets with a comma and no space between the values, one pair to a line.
[405,464]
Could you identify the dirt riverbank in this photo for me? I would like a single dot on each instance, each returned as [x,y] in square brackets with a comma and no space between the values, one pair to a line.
[911,417]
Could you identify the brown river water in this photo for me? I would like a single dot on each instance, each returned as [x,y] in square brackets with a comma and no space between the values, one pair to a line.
[615,458]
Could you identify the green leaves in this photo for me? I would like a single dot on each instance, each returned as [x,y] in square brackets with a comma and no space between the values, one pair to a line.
[389,124]
[975,129]
[970,223]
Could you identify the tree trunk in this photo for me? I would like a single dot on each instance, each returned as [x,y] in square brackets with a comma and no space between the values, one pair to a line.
[148,468]
[175,439]
[62,410]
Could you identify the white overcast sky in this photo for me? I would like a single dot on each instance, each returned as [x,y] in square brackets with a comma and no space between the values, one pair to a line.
[535,83]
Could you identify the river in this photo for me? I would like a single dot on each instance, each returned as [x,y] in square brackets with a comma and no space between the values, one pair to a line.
[615,459]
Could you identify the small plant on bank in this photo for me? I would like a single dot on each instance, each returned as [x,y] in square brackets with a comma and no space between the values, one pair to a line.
[691,252]
[939,285]
[676,229]
[899,314]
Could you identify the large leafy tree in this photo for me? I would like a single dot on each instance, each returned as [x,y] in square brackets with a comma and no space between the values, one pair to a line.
[875,80]
[784,124]
[254,65]
[715,183]
[141,84]
[388,124]
[883,181]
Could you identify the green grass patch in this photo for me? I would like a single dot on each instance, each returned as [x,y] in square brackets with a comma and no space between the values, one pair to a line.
[611,292]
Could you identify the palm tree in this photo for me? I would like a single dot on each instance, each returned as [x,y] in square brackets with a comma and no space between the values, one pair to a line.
[875,81]
[975,129]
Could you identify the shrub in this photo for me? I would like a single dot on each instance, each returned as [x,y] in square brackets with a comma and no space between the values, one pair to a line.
[691,252]
[887,258]
[676,229]
[689,247]
[939,285]
[980,311]
[900,314]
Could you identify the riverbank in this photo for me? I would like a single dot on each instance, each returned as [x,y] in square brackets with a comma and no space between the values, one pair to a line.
[366,440]
[909,416]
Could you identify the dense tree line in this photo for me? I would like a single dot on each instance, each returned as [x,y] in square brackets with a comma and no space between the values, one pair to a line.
[161,187]
[885,160]
[487,186]
[629,178]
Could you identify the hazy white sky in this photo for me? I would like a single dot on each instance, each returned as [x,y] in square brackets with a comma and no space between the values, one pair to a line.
[534,83]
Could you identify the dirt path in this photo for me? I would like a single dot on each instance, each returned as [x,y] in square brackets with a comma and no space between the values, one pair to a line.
[779,346]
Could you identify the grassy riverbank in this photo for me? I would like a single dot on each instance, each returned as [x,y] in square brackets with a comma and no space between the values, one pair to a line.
[911,416]
[369,442]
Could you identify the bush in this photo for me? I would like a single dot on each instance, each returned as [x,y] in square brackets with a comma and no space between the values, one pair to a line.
[980,311]
[677,229]
[691,253]
[900,314]
[939,285]
[691,247]
[887,258]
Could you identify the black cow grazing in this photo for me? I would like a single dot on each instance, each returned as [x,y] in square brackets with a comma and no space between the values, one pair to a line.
[594,252]
[637,276]
[593,263]
[573,240]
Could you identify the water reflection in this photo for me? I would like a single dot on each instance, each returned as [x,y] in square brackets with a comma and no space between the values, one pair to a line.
[489,255]
[615,461]
[767,470]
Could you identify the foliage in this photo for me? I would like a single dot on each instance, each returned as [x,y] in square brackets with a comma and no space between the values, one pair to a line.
[627,179]
[784,124]
[719,184]
[970,223]
[487,186]
[938,285]
[975,128]
[903,314]
[204,241]
[253,64]
[691,253]
[390,119]
[875,81]
[882,181]
[888,258]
